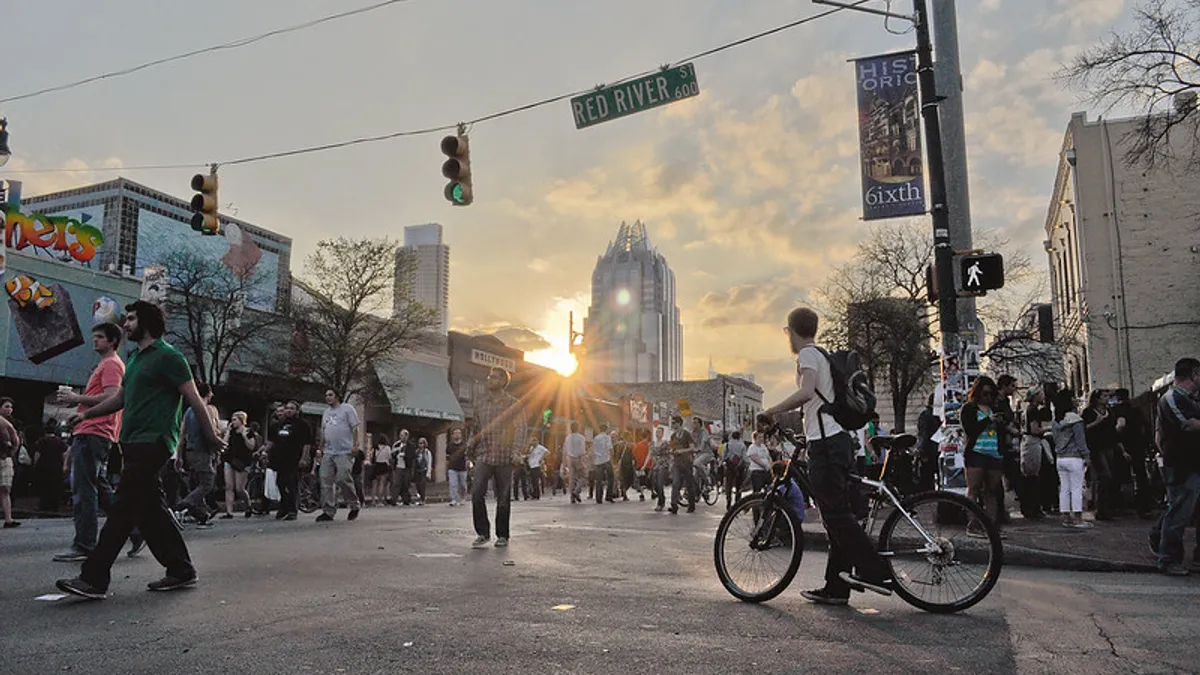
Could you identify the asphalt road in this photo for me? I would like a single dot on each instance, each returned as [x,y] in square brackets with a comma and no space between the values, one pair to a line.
[401,591]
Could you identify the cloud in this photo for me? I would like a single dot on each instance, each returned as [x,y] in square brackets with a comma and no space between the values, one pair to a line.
[749,304]
[75,172]
[517,337]
[538,265]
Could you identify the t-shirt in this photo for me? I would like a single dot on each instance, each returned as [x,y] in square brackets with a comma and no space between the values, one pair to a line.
[758,458]
[811,359]
[988,441]
[735,448]
[108,374]
[456,456]
[536,455]
[575,445]
[153,404]
[602,447]
[1180,449]
[640,451]
[1103,436]
[288,439]
[337,429]
[681,439]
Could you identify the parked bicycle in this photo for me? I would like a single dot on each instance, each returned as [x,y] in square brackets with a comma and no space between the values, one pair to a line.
[943,551]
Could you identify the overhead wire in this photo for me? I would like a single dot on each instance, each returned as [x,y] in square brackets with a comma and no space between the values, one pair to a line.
[235,44]
[471,122]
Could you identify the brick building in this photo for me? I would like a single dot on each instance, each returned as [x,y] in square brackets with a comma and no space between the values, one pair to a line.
[1123,243]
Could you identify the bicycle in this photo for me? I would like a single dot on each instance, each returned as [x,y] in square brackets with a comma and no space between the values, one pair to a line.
[308,496]
[759,543]
[706,480]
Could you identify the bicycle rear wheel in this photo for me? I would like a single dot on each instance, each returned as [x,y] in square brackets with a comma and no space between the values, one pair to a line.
[308,498]
[962,565]
[711,494]
[758,548]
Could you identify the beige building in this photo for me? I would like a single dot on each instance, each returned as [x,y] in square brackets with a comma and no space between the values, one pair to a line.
[429,283]
[1124,250]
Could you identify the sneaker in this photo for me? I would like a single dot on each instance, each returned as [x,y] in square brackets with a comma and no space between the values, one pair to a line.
[353,515]
[136,547]
[11,524]
[170,583]
[882,587]
[204,522]
[81,588]
[324,518]
[501,542]
[71,556]
[1174,570]
[453,503]
[176,519]
[691,509]
[821,596]
[480,542]
[249,511]
[658,509]
[1154,544]
[1083,525]
[290,516]
[674,510]
[281,514]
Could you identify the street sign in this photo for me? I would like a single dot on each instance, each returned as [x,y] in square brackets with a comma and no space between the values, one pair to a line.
[980,273]
[685,408]
[644,93]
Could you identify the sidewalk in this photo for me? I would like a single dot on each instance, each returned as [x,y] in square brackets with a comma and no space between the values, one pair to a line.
[1114,546]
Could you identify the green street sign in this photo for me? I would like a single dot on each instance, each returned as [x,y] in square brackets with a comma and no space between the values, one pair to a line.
[644,93]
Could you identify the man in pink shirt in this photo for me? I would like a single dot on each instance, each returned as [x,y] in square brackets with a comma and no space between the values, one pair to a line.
[91,442]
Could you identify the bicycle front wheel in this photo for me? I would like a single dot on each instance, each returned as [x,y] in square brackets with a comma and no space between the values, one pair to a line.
[758,548]
[711,494]
[954,571]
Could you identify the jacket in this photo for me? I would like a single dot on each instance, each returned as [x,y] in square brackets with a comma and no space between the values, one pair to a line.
[1069,438]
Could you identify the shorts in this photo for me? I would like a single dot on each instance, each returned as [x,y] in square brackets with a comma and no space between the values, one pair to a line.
[6,472]
[380,471]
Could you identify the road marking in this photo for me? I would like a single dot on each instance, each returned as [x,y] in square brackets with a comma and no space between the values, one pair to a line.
[436,555]
[562,608]
[1143,590]
[51,597]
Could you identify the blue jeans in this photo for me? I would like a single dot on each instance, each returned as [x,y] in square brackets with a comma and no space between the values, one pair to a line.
[89,479]
[1182,493]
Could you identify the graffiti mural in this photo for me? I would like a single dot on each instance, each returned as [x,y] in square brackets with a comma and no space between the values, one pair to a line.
[44,318]
[60,237]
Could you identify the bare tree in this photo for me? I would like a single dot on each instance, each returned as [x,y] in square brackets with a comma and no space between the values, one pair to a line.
[1146,68]
[210,314]
[345,326]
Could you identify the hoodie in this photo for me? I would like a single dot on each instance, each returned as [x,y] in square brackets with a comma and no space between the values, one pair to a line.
[1069,438]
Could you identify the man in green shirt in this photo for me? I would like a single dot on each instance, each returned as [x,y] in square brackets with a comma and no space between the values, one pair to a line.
[157,381]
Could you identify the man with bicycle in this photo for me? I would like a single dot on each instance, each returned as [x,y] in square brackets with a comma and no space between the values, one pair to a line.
[830,458]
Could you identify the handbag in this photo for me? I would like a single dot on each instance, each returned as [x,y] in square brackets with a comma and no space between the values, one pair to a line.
[23,457]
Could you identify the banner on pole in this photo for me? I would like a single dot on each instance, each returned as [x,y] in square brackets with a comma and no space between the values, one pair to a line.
[889,135]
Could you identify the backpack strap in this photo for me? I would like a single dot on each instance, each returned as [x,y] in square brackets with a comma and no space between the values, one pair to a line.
[817,388]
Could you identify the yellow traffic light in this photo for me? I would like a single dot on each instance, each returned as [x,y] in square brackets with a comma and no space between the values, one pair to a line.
[204,204]
[458,169]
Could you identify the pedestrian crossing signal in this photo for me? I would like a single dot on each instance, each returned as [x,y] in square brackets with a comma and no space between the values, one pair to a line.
[980,273]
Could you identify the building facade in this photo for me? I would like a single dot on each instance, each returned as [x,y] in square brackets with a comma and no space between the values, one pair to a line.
[731,401]
[633,332]
[429,283]
[1123,244]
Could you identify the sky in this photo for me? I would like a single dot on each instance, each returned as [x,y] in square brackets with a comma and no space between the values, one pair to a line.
[750,190]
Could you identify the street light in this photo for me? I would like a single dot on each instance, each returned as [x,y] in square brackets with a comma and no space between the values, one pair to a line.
[5,153]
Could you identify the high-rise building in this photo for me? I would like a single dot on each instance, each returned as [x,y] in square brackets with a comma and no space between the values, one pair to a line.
[632,332]
[429,283]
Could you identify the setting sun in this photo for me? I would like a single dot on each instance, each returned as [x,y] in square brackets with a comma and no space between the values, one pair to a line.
[564,362]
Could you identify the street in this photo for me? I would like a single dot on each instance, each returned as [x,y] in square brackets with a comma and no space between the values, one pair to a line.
[401,591]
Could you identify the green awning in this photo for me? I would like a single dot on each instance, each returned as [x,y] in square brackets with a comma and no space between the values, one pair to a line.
[418,390]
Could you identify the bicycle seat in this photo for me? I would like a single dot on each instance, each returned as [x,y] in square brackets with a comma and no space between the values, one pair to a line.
[899,442]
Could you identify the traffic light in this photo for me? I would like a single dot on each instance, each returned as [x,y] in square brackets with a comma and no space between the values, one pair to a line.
[204,204]
[931,287]
[981,272]
[5,153]
[547,414]
[458,168]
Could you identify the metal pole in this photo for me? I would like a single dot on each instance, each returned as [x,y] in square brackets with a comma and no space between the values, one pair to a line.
[943,250]
[948,74]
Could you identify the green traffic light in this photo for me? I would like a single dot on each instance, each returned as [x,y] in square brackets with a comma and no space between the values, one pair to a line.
[457,194]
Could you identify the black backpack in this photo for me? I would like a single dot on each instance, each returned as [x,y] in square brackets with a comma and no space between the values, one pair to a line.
[853,402]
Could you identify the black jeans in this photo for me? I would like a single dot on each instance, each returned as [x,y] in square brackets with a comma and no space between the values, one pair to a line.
[1107,489]
[502,476]
[735,478]
[287,479]
[603,475]
[140,503]
[829,462]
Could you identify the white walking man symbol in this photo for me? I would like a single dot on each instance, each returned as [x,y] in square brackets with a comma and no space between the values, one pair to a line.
[973,273]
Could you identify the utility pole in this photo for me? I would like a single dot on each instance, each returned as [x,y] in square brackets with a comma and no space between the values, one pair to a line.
[948,73]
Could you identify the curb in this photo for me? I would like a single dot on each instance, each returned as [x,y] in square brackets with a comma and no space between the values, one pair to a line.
[1024,556]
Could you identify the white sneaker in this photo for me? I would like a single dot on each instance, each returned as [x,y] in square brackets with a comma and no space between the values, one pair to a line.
[480,542]
[501,542]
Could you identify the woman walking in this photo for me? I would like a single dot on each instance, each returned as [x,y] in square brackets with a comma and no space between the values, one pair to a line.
[1070,443]
[239,454]
[984,468]
[381,471]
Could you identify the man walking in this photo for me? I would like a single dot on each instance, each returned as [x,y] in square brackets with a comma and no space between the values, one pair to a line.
[456,466]
[404,457]
[289,446]
[574,448]
[830,458]
[1179,429]
[735,467]
[500,437]
[683,474]
[10,444]
[339,439]
[91,442]
[536,462]
[602,449]
[157,381]
[199,459]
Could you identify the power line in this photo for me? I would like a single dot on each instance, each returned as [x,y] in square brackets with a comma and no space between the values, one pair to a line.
[485,118]
[206,50]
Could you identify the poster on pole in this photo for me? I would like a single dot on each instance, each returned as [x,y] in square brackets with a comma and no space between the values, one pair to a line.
[889,135]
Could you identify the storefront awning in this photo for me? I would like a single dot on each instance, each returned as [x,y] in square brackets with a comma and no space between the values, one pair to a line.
[418,390]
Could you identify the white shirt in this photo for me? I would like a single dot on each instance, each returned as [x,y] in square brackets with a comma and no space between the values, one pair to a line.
[536,455]
[575,445]
[602,447]
[758,457]
[811,359]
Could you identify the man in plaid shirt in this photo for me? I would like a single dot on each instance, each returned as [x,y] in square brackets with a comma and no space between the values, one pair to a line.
[500,438]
